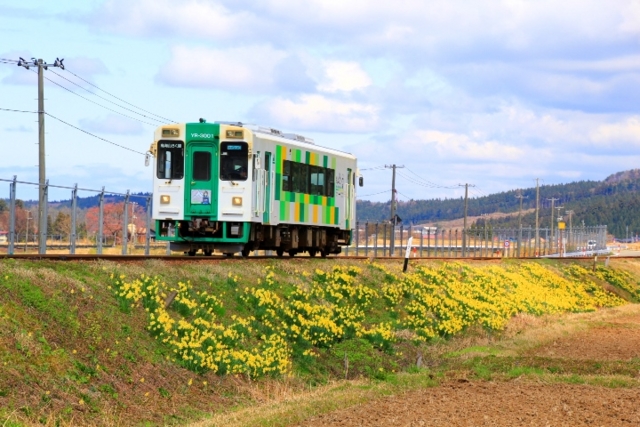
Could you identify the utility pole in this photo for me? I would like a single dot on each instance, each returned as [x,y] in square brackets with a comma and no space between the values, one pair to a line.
[464,223]
[520,196]
[570,213]
[559,237]
[42,220]
[552,202]
[393,208]
[486,242]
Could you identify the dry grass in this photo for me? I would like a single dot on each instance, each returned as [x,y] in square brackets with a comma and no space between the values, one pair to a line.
[289,406]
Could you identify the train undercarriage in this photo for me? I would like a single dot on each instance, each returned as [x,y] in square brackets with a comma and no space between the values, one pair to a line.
[230,238]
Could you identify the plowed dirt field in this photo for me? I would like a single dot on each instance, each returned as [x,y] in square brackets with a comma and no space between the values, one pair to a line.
[523,401]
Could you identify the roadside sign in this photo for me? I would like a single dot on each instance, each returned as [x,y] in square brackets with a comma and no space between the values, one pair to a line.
[506,243]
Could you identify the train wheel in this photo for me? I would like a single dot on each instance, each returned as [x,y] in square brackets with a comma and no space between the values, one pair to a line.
[245,252]
[312,253]
[279,252]
[191,253]
[292,254]
[207,253]
[323,253]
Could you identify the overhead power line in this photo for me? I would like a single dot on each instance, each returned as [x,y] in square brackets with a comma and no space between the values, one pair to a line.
[481,192]
[17,111]
[95,136]
[373,168]
[429,183]
[105,99]
[423,183]
[404,195]
[119,99]
[375,194]
[100,105]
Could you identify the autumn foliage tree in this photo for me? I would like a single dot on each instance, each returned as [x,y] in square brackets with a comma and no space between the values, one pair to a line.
[112,219]
[22,224]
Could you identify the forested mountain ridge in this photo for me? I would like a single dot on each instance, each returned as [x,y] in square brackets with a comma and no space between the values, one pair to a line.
[614,202]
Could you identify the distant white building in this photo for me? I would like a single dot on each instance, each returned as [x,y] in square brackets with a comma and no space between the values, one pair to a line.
[429,231]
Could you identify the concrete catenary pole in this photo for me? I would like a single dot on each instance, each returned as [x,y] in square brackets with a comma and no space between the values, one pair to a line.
[42,219]
[537,220]
[464,222]
[393,208]
[553,200]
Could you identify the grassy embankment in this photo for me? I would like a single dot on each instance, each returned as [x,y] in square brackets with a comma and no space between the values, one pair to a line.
[109,344]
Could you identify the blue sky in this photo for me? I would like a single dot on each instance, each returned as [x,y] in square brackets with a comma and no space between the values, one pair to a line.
[493,93]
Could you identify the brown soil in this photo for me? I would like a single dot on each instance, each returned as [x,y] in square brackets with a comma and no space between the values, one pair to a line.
[518,402]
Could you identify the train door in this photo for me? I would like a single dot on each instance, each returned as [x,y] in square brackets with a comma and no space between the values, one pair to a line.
[349,199]
[201,195]
[267,190]
[257,188]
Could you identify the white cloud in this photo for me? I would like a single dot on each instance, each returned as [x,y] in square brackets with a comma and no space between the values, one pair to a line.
[244,69]
[344,76]
[193,18]
[319,113]
[112,124]
[461,147]
[444,26]
[622,133]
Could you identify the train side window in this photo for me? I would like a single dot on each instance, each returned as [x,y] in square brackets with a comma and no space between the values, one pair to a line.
[299,172]
[317,180]
[201,166]
[286,176]
[331,184]
[170,160]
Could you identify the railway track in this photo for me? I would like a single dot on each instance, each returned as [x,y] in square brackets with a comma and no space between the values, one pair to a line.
[219,258]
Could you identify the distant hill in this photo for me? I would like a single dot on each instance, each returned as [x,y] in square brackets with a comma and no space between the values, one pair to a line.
[89,202]
[614,202]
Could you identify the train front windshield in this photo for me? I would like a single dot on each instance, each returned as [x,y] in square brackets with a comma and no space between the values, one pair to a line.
[170,160]
[234,161]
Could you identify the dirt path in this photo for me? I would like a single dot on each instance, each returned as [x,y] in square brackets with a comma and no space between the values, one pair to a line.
[519,402]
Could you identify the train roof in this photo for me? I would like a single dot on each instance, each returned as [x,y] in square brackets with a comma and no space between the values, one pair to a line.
[288,138]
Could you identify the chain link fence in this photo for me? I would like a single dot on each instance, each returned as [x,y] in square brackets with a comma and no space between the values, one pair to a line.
[374,239]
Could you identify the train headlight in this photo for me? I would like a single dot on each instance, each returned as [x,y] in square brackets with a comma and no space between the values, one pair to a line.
[165,199]
[236,201]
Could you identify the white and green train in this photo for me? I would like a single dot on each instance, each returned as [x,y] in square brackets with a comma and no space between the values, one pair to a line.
[233,187]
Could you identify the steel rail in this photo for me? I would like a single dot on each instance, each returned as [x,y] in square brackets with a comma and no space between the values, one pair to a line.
[216,258]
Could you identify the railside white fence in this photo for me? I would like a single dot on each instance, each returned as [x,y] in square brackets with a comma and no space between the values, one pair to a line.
[23,228]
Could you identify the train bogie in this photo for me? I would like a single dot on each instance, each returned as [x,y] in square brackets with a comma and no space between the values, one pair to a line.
[237,188]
